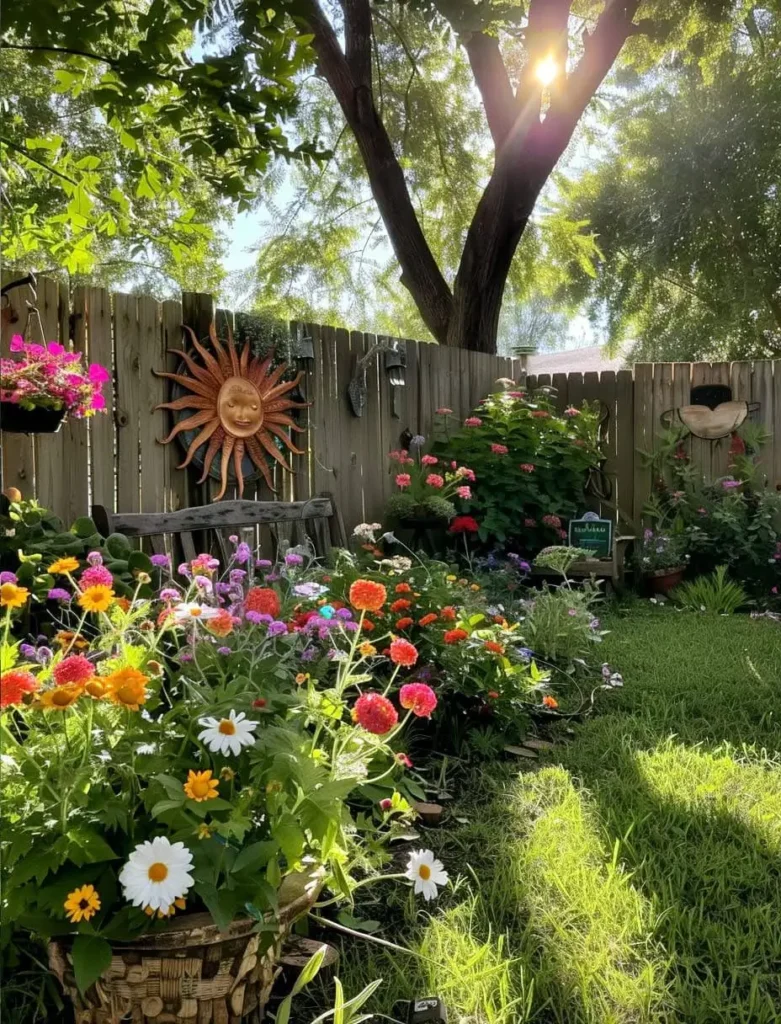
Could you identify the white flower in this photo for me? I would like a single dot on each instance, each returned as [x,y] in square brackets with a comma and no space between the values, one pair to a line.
[157,873]
[227,735]
[187,611]
[426,872]
[367,531]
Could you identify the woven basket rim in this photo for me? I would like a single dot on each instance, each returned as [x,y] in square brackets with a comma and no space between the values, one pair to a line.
[199,929]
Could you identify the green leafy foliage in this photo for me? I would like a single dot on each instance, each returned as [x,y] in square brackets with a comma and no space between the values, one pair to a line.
[530,465]
[713,594]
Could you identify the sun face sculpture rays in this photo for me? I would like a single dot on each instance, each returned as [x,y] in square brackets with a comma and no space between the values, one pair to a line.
[241,408]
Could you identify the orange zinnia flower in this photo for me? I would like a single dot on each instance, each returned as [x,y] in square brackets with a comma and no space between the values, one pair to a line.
[549,702]
[400,606]
[127,686]
[404,623]
[493,647]
[402,652]
[403,588]
[367,596]
[428,619]
[448,614]
[454,636]
[221,624]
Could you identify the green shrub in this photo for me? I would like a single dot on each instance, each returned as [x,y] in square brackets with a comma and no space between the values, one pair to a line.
[530,465]
[713,594]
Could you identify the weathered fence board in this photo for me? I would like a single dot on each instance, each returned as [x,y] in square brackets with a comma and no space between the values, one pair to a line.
[117,460]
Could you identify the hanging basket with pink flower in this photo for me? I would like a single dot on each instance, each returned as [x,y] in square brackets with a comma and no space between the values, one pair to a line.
[41,384]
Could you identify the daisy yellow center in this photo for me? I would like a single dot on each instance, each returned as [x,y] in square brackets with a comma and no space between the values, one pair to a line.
[201,787]
[195,612]
[227,727]
[425,872]
[158,872]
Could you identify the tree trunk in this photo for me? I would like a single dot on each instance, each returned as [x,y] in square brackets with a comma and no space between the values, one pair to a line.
[499,222]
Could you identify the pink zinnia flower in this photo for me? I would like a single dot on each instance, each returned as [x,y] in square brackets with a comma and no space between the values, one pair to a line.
[499,449]
[429,460]
[434,480]
[572,411]
[527,467]
[473,421]
[540,414]
[96,575]
[530,523]
[464,492]
[444,411]
[466,474]
[553,521]
[418,698]
[375,713]
[403,480]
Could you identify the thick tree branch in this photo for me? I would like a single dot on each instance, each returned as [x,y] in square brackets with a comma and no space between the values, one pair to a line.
[345,74]
[485,59]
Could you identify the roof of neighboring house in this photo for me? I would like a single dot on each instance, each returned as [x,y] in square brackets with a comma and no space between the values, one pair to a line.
[574,360]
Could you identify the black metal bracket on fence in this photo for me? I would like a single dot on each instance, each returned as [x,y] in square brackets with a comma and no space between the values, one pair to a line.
[29,279]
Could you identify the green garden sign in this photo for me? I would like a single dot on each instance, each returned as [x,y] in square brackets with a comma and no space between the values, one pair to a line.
[592,534]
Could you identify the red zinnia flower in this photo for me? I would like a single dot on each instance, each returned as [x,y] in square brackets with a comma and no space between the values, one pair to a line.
[418,698]
[14,685]
[448,614]
[403,759]
[428,619]
[263,600]
[549,702]
[375,713]
[403,588]
[493,647]
[454,636]
[259,703]
[737,445]
[493,694]
[73,669]
[367,625]
[386,804]
[401,605]
[553,521]
[402,652]
[367,596]
[464,524]
[404,623]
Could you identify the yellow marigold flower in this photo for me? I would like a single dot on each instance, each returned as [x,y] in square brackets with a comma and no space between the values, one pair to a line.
[201,786]
[64,565]
[97,598]
[82,904]
[475,587]
[96,688]
[451,578]
[67,638]
[127,686]
[61,697]
[12,596]
[367,649]
[203,831]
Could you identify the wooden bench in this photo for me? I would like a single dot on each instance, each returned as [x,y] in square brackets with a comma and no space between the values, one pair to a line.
[609,569]
[207,527]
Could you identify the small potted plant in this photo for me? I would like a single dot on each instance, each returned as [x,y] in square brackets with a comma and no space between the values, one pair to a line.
[662,559]
[45,383]
[426,486]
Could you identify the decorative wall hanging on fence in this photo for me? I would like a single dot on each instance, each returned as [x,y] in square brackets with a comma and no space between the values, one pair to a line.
[710,424]
[242,409]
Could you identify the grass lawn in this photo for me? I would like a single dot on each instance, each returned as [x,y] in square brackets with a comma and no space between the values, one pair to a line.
[636,875]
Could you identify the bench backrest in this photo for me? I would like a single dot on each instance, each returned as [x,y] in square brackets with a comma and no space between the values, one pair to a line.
[207,527]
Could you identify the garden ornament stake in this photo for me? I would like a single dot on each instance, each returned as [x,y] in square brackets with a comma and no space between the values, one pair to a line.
[241,409]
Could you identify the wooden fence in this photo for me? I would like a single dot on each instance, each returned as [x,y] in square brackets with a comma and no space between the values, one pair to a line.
[636,400]
[116,459]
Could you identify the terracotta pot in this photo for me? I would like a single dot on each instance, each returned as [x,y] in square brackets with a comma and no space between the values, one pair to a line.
[189,970]
[662,581]
[16,420]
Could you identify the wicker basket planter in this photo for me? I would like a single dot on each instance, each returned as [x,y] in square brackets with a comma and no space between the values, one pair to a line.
[191,971]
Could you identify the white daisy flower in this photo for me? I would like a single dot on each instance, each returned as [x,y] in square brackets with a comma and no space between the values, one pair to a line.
[227,735]
[426,872]
[157,874]
[187,611]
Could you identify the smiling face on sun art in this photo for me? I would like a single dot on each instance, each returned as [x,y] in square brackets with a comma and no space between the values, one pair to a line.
[241,408]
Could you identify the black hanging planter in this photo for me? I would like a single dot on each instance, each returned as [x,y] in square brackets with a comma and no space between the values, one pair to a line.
[16,420]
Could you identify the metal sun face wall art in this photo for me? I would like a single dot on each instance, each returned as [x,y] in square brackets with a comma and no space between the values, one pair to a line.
[241,409]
